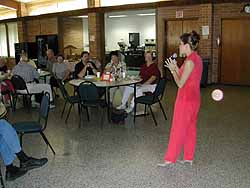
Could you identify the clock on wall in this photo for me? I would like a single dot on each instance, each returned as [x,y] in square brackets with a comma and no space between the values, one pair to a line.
[246,8]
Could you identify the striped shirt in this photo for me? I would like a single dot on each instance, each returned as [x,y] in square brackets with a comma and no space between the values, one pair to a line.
[26,71]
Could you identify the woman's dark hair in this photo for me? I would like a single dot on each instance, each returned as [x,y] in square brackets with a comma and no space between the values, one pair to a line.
[116,53]
[60,55]
[192,39]
[84,52]
[149,52]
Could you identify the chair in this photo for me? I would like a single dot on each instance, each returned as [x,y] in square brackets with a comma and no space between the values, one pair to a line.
[21,89]
[152,98]
[28,127]
[68,99]
[89,97]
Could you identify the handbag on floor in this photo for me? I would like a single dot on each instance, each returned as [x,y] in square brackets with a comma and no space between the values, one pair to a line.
[118,116]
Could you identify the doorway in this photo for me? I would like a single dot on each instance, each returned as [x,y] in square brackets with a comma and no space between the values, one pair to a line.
[235,45]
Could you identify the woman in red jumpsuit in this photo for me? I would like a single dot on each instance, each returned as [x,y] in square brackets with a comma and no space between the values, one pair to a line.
[187,104]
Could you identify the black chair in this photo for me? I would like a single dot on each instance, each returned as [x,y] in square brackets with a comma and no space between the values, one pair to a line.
[21,89]
[152,98]
[89,97]
[68,99]
[39,126]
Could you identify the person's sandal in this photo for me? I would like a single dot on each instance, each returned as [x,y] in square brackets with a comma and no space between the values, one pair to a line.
[165,164]
[190,162]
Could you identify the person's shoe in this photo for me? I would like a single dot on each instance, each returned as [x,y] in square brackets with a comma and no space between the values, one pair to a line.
[121,107]
[14,173]
[165,164]
[129,110]
[35,104]
[190,162]
[140,113]
[32,163]
[51,106]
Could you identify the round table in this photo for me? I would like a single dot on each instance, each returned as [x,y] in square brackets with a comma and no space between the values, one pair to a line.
[107,85]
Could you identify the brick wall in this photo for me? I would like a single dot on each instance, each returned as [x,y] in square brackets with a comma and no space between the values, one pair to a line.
[96,35]
[21,31]
[223,11]
[73,34]
[203,13]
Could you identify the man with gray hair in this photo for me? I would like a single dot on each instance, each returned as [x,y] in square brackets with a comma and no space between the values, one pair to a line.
[29,75]
[51,59]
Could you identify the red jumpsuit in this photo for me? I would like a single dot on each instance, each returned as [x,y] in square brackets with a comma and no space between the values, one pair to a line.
[187,105]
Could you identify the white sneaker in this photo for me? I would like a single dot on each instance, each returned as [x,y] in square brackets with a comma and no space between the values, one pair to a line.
[52,106]
[121,107]
[138,113]
[35,104]
[129,109]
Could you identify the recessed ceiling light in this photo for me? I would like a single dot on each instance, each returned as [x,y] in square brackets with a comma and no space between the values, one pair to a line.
[146,14]
[118,16]
[84,16]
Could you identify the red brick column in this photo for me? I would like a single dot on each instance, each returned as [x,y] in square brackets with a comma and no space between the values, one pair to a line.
[96,32]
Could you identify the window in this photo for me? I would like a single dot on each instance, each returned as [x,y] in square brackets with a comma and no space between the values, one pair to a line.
[3,41]
[13,37]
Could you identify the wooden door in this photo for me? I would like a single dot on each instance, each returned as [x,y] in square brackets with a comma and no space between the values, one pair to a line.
[174,30]
[190,25]
[235,61]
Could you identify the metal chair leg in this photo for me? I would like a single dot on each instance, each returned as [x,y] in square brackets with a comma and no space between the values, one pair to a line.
[1,179]
[102,117]
[87,113]
[63,109]
[153,115]
[135,111]
[162,109]
[47,142]
[11,104]
[21,139]
[14,103]
[66,120]
[80,115]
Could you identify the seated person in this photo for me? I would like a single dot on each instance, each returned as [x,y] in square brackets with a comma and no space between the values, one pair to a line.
[3,67]
[113,67]
[115,62]
[85,66]
[60,71]
[50,60]
[30,62]
[29,74]
[10,149]
[150,75]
